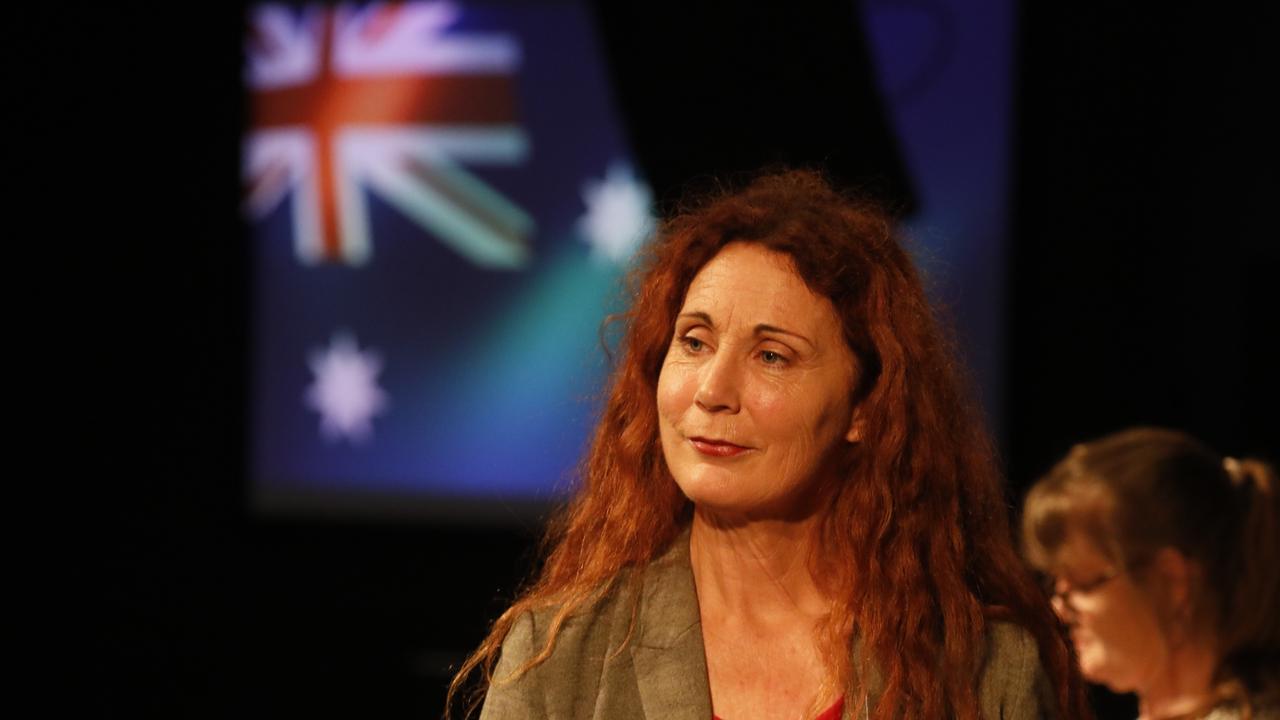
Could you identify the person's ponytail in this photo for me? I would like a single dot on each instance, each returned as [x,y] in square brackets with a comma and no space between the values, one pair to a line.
[1250,627]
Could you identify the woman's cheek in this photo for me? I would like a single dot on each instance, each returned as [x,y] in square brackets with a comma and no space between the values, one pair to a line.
[769,403]
[673,386]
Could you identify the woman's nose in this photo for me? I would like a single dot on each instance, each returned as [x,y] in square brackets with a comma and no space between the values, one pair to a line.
[718,386]
[1062,608]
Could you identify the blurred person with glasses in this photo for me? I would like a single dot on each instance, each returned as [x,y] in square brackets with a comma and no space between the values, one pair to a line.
[1163,560]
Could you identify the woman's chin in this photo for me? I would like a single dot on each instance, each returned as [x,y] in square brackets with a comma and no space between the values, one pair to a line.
[1101,674]
[713,489]
[717,492]
[722,505]
[736,510]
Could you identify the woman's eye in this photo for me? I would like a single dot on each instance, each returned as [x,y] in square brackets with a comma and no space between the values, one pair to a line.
[772,358]
[692,344]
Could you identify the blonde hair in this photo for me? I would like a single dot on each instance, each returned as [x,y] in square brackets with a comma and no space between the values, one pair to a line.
[1137,491]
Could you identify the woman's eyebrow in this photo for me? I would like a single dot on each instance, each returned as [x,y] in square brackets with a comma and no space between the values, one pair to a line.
[760,329]
[699,315]
[763,328]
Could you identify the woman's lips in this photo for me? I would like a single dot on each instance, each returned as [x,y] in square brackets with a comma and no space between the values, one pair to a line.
[1081,639]
[716,448]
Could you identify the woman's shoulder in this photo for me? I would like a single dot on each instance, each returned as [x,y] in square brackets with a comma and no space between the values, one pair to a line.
[615,603]
[578,648]
[585,648]
[1009,642]
[1014,683]
[579,631]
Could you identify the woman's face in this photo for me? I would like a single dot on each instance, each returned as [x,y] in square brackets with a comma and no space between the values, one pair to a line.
[755,389]
[1113,623]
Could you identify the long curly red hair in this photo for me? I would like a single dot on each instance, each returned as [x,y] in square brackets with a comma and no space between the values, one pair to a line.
[916,549]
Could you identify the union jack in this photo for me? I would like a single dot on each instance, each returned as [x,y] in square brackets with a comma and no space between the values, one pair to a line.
[383,97]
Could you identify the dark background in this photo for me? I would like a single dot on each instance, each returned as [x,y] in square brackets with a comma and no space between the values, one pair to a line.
[1142,273]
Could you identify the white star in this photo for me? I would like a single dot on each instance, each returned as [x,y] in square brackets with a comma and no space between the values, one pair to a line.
[345,391]
[618,218]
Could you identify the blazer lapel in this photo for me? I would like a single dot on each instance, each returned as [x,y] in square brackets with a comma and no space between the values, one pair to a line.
[868,674]
[667,651]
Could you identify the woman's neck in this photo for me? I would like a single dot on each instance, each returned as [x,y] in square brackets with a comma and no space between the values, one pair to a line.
[1184,684]
[755,571]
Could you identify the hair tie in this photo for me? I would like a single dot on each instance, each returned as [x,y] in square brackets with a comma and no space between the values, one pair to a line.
[1249,473]
[1234,471]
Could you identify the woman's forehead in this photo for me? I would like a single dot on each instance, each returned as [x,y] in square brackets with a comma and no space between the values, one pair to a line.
[1080,553]
[747,283]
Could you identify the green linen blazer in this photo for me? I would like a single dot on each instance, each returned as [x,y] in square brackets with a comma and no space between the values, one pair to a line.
[662,671]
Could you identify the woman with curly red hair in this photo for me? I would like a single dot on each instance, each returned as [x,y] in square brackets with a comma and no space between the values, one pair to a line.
[789,509]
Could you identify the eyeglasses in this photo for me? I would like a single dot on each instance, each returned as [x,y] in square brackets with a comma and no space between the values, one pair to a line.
[1068,596]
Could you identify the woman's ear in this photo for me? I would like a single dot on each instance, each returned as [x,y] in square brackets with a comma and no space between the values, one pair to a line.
[855,427]
[1176,575]
[1174,570]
